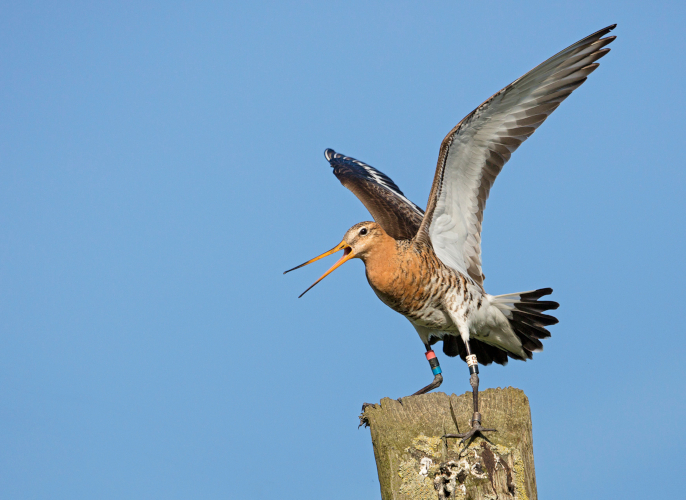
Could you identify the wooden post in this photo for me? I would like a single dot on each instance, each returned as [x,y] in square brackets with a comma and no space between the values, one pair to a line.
[414,462]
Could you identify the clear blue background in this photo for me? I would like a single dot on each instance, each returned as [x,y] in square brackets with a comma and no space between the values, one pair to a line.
[161,164]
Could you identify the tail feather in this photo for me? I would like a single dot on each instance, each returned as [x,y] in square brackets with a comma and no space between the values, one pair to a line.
[537,306]
[534,332]
[533,317]
[532,295]
[529,344]
[525,314]
[486,354]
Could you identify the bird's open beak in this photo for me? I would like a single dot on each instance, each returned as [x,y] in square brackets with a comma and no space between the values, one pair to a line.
[347,255]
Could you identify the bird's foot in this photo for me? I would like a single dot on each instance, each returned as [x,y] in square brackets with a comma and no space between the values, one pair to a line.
[476,429]
[363,417]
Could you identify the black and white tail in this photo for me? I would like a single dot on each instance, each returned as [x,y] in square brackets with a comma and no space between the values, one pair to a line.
[524,310]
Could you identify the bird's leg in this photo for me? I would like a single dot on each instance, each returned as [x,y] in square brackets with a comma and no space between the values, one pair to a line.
[435,368]
[476,417]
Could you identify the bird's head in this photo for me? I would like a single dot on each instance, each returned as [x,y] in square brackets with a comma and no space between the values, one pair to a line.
[362,237]
[358,242]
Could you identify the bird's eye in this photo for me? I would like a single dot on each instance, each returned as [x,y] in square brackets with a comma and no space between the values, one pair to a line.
[363,231]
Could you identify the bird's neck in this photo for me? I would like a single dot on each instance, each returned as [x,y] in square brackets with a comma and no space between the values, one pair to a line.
[384,247]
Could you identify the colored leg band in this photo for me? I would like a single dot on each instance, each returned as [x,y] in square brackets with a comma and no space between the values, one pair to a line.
[433,362]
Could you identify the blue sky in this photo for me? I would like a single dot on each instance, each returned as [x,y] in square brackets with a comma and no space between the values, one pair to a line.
[161,164]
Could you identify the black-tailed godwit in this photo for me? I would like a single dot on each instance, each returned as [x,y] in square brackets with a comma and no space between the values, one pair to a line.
[427,265]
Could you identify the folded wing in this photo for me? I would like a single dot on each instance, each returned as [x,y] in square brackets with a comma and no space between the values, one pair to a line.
[397,215]
[475,151]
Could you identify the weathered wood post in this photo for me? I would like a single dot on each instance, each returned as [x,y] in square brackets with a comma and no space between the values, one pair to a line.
[414,462]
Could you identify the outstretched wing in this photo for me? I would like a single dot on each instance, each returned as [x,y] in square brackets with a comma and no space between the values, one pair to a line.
[475,151]
[397,215]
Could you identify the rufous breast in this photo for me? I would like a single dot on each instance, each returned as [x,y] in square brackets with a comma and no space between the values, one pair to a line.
[407,277]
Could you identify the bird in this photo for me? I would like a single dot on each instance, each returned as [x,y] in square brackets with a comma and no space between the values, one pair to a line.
[426,264]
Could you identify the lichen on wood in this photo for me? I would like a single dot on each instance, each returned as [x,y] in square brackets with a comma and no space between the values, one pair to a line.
[415,462]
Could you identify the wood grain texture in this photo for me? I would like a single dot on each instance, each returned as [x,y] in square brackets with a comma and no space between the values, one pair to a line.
[414,462]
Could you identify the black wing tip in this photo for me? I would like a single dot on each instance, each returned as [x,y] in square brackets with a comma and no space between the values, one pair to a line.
[329,154]
[598,35]
[604,32]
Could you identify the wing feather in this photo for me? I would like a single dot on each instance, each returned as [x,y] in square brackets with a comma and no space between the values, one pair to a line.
[397,215]
[475,151]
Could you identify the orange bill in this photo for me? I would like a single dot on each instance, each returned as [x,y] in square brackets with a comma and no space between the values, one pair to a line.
[347,255]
